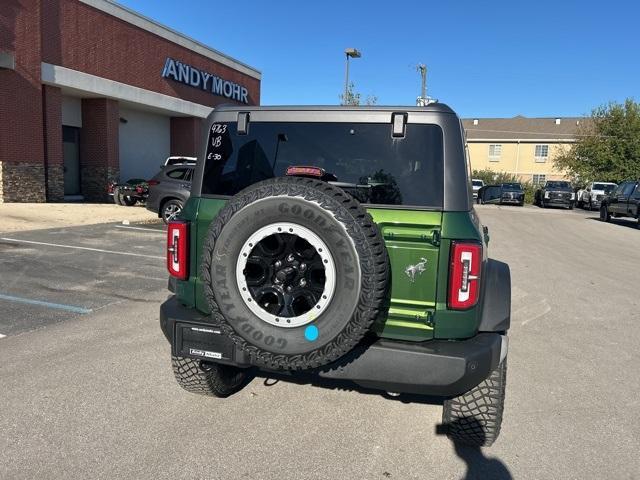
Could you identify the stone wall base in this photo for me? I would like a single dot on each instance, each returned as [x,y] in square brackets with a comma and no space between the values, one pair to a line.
[95,180]
[55,183]
[23,183]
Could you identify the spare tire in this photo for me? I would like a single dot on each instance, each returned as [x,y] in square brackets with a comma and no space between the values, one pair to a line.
[295,272]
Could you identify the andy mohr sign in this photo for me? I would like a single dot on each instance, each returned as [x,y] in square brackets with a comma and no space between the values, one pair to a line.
[183,73]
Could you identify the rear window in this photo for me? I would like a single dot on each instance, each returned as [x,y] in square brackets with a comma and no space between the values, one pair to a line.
[177,174]
[558,184]
[511,186]
[365,159]
[607,187]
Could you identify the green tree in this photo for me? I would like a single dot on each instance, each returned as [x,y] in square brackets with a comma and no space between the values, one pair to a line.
[354,98]
[608,145]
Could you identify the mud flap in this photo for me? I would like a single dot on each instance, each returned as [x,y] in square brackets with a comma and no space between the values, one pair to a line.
[202,341]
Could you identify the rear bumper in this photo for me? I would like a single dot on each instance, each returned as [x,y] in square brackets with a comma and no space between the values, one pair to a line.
[437,367]
[558,201]
[512,201]
[153,203]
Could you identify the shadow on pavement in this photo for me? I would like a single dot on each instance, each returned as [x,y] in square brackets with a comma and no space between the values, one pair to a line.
[272,378]
[478,465]
[623,222]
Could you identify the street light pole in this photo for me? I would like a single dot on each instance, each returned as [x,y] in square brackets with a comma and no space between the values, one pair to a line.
[349,52]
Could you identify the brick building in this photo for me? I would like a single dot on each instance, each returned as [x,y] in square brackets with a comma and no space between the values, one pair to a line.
[91,91]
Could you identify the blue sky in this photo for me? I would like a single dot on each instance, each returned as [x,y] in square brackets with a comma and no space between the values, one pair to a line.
[501,58]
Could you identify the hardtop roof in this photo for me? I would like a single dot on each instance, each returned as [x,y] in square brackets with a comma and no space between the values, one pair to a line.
[431,108]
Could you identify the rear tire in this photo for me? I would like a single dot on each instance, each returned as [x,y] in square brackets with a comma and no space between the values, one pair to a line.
[605,216]
[117,199]
[212,379]
[127,200]
[475,417]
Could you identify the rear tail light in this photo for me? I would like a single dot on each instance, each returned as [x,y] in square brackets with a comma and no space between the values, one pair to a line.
[152,182]
[464,275]
[305,171]
[178,249]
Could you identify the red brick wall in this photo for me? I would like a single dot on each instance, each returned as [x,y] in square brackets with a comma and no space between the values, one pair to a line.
[20,90]
[52,106]
[21,142]
[185,136]
[52,128]
[51,36]
[93,42]
[99,153]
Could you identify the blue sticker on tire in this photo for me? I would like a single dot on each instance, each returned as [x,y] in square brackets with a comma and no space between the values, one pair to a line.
[311,333]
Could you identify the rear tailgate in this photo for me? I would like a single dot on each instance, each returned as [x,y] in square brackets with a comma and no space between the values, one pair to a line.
[412,239]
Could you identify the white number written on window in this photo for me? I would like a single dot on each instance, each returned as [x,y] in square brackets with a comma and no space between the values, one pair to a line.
[218,128]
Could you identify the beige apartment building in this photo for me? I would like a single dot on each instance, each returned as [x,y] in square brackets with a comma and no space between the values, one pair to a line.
[522,146]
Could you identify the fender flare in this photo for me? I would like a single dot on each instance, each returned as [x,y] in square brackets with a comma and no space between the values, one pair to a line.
[496,314]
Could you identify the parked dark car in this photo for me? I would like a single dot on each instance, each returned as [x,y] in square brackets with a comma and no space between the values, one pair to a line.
[169,190]
[555,193]
[505,193]
[624,201]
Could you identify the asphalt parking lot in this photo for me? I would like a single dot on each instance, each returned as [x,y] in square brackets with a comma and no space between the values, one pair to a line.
[87,389]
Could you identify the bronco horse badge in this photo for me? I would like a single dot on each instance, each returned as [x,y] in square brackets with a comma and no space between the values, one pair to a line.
[418,268]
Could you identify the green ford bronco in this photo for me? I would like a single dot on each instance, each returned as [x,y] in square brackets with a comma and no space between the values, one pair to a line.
[340,244]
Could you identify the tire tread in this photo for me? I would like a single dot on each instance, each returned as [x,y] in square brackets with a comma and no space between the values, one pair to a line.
[475,417]
[216,381]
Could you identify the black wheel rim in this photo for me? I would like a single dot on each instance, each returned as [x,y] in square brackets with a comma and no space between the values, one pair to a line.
[285,275]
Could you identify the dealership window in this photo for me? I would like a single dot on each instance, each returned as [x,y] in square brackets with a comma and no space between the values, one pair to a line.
[495,151]
[542,153]
[539,178]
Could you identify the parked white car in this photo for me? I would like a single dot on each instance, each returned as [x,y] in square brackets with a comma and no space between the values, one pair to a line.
[477,185]
[591,197]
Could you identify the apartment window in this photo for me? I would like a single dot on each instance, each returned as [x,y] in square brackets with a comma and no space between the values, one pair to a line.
[539,178]
[494,152]
[542,153]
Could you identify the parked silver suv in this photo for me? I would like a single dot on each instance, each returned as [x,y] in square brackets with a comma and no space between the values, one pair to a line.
[170,188]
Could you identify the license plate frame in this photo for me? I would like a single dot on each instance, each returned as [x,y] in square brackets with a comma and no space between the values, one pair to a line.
[202,341]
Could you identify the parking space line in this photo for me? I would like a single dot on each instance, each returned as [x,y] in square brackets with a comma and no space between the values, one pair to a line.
[154,230]
[41,303]
[2,336]
[16,240]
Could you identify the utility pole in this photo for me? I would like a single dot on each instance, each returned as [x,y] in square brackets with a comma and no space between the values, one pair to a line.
[422,100]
